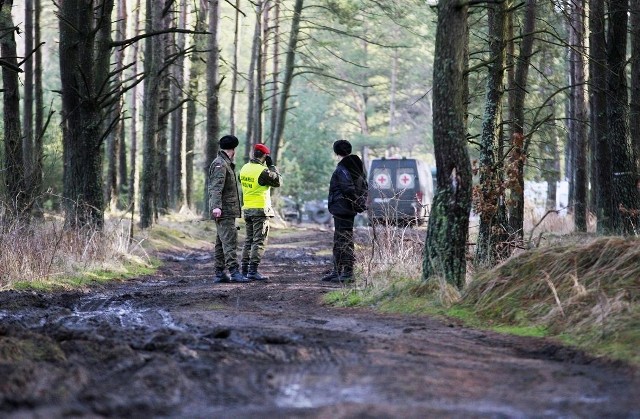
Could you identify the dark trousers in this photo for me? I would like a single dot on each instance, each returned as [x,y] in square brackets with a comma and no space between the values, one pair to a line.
[343,246]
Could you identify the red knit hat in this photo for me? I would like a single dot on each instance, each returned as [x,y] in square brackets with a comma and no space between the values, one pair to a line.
[263,148]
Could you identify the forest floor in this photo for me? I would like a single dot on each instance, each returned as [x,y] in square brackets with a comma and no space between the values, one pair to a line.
[177,345]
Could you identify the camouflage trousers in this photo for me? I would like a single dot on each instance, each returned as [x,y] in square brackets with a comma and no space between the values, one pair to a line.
[226,253]
[257,232]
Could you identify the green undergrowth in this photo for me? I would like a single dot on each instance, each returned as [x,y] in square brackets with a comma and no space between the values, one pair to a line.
[582,294]
[84,279]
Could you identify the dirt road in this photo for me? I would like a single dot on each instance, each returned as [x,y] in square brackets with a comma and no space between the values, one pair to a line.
[177,345]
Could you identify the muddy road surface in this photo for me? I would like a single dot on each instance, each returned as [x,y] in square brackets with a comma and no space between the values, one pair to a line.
[178,345]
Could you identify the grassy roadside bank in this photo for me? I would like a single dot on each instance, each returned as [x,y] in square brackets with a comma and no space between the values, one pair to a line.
[585,295]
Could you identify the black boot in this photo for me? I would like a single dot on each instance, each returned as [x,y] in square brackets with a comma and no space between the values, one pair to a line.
[245,269]
[331,276]
[254,275]
[346,276]
[221,276]
[236,276]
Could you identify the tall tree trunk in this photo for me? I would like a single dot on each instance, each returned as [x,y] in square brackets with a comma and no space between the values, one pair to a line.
[516,104]
[252,88]
[213,100]
[84,70]
[548,149]
[38,148]
[115,140]
[260,68]
[624,171]
[605,204]
[162,179]
[491,234]
[634,103]
[275,71]
[133,149]
[14,173]
[154,56]
[446,240]
[287,78]
[177,194]
[234,70]
[121,33]
[578,117]
[27,104]
[196,71]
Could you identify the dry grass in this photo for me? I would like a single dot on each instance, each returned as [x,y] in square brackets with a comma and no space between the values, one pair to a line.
[386,252]
[390,259]
[42,251]
[590,291]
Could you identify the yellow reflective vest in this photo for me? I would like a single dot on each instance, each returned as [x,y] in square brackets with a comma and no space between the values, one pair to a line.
[255,196]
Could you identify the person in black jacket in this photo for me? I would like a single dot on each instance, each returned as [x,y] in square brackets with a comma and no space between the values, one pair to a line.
[342,205]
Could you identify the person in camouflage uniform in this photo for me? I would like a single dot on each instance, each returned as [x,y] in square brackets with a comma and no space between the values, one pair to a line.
[224,201]
[257,178]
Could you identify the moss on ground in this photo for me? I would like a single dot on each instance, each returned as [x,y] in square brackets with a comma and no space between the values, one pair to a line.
[583,294]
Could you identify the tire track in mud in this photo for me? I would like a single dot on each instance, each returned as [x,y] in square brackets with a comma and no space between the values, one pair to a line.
[177,345]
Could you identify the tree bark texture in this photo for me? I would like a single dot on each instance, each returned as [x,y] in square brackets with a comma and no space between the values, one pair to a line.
[275,71]
[287,78]
[624,171]
[213,99]
[605,205]
[517,99]
[133,149]
[634,102]
[27,104]
[252,87]
[492,234]
[154,55]
[176,193]
[446,240]
[260,69]
[115,138]
[162,179]
[83,74]
[196,71]
[578,117]
[38,146]
[234,70]
[14,169]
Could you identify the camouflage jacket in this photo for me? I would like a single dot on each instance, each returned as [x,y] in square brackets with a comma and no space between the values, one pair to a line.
[223,187]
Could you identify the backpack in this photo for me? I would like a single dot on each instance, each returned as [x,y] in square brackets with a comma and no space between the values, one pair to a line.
[362,193]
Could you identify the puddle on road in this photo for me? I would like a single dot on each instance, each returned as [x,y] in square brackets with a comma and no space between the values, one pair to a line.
[298,395]
[193,256]
[92,311]
[120,313]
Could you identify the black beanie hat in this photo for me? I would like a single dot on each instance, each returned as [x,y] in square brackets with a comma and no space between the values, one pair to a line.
[342,147]
[228,142]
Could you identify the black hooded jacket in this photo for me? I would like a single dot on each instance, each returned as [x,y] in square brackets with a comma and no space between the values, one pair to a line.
[342,190]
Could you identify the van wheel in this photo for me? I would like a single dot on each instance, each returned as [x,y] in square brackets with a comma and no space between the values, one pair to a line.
[321,216]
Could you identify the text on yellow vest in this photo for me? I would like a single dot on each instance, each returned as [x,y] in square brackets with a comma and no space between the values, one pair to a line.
[254,194]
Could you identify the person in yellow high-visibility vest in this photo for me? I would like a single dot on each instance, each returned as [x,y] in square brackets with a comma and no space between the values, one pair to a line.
[257,178]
